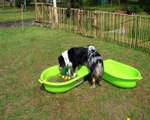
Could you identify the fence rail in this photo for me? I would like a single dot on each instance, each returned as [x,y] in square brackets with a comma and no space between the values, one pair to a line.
[132,30]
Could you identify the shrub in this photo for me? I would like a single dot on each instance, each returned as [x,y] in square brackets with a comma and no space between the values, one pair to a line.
[146,2]
[134,8]
[19,2]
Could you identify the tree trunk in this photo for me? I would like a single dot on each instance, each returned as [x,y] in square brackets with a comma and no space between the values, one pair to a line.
[11,2]
[3,3]
[119,2]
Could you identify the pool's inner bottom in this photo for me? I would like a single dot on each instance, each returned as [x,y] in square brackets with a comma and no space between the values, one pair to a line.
[57,78]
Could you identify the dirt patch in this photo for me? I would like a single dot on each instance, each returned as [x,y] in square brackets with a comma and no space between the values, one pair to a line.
[121,12]
[16,23]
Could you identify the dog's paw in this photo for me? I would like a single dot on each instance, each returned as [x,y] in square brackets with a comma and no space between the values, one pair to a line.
[74,75]
[93,86]
[100,83]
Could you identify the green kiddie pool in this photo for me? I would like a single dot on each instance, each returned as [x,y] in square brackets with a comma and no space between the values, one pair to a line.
[120,74]
[47,78]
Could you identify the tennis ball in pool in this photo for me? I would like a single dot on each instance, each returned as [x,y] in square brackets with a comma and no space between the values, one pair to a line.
[63,76]
[128,118]
[66,78]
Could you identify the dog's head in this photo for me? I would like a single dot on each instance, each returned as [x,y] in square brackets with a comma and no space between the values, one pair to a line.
[61,62]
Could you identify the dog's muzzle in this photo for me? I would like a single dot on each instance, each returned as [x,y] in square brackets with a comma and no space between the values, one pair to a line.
[60,68]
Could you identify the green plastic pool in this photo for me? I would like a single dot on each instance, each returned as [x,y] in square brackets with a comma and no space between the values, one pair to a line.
[58,87]
[120,74]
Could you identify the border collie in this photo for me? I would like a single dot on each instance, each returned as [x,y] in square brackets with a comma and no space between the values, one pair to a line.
[95,63]
[72,58]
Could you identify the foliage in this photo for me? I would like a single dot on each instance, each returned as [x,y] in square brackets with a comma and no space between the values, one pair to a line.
[15,15]
[19,2]
[144,2]
[146,8]
[134,8]
[145,5]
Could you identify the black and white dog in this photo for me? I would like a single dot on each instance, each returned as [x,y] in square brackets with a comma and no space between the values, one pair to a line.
[72,58]
[76,56]
[95,63]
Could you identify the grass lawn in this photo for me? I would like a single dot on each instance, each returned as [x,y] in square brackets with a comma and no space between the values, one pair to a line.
[121,9]
[107,8]
[26,53]
[14,14]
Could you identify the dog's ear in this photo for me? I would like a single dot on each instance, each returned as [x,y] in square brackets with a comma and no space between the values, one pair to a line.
[58,57]
[88,46]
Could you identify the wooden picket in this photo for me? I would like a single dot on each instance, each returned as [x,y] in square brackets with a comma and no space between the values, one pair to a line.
[132,30]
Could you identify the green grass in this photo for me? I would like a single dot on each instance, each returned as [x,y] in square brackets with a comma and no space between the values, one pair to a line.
[9,9]
[26,53]
[107,8]
[14,14]
[136,8]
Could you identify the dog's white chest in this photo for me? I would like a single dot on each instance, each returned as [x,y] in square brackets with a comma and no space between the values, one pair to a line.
[66,59]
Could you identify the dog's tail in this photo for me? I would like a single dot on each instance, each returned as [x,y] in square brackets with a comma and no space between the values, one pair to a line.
[91,47]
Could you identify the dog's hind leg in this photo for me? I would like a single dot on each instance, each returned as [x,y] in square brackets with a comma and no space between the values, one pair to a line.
[93,82]
[100,80]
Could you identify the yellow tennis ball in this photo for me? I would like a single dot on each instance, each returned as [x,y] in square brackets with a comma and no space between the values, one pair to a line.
[128,118]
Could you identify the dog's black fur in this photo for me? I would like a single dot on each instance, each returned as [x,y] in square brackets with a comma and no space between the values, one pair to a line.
[84,56]
[76,55]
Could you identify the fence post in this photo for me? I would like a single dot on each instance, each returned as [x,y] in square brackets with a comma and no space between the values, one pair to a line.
[78,21]
[95,24]
[132,27]
[49,15]
[42,14]
[53,17]
[55,11]
[136,31]
[35,11]
[124,29]
[22,17]
[81,21]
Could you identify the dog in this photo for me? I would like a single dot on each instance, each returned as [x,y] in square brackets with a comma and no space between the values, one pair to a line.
[72,58]
[95,64]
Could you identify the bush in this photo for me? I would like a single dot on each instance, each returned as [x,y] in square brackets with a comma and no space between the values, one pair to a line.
[19,2]
[146,2]
[146,8]
[134,9]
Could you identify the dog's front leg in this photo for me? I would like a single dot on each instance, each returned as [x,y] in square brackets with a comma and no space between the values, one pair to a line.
[69,71]
[75,69]
[93,83]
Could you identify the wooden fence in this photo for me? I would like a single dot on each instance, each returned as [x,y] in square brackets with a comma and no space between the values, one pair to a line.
[132,30]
